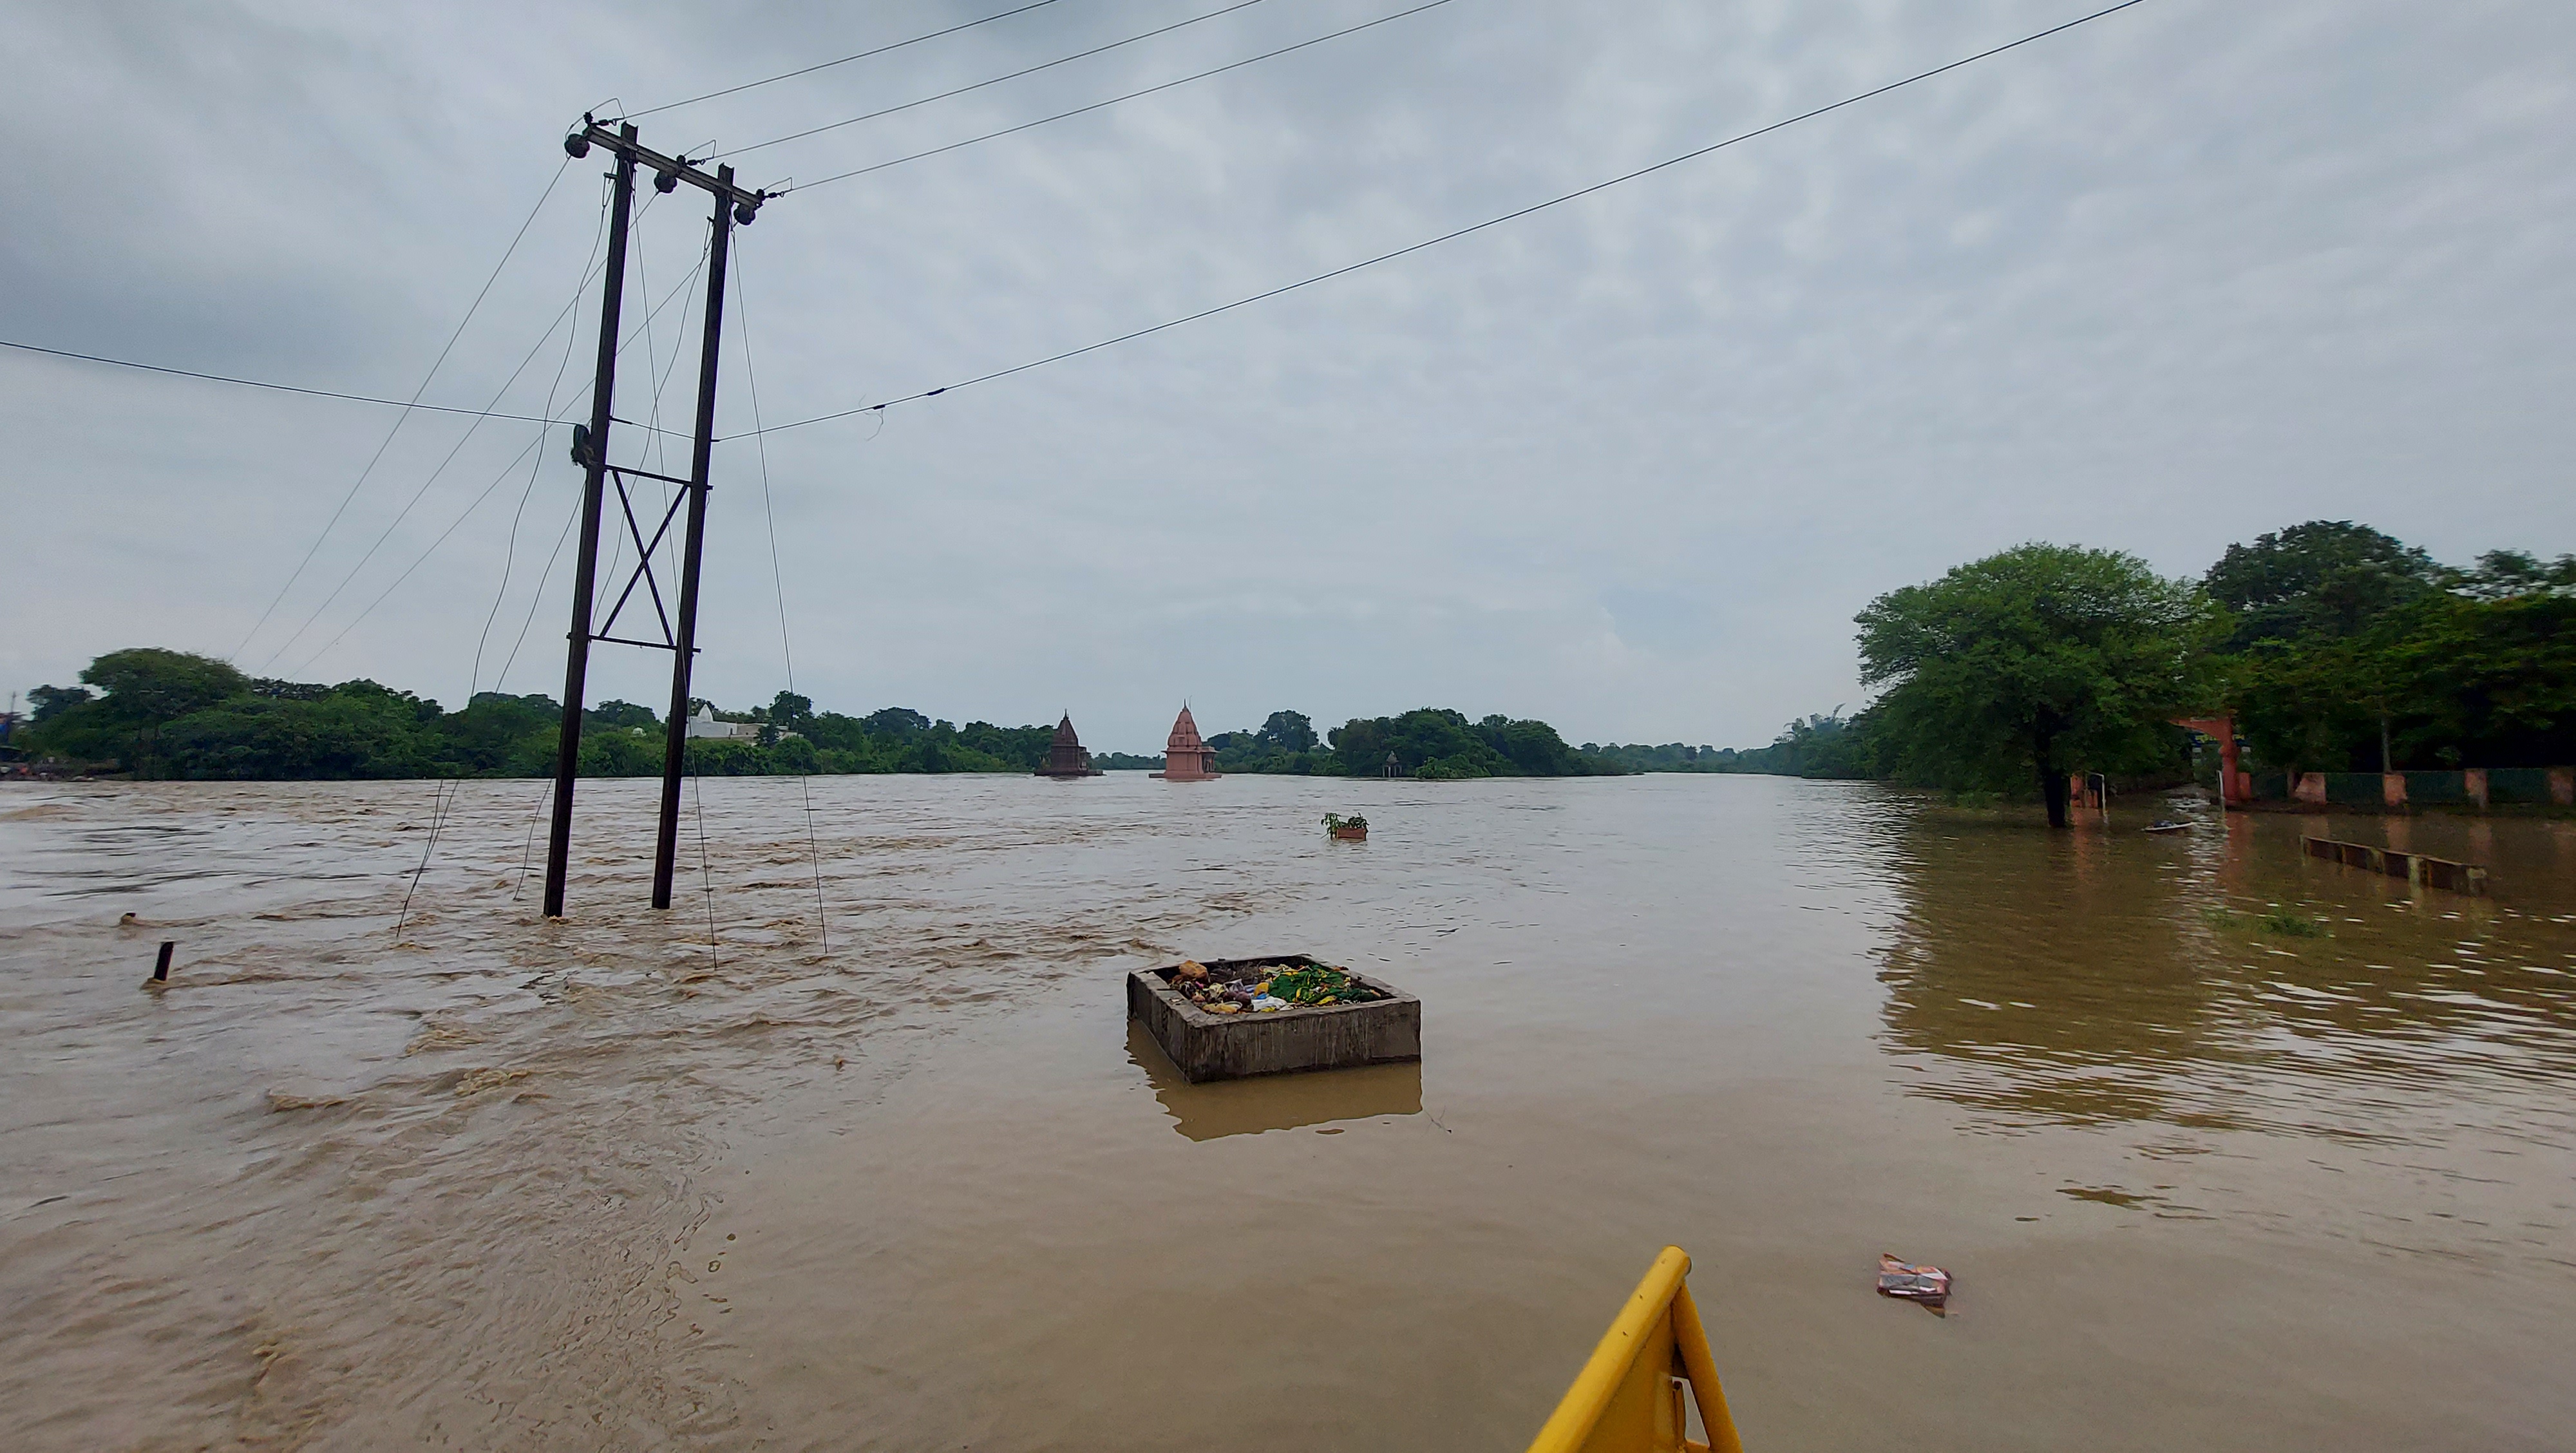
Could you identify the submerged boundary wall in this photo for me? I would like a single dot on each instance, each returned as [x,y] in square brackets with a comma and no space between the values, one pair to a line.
[2475,787]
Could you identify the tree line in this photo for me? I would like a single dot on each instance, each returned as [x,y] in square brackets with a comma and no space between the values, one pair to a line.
[170,714]
[161,713]
[2334,646]
[1427,743]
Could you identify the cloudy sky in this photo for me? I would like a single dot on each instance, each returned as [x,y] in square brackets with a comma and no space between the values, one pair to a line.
[2191,272]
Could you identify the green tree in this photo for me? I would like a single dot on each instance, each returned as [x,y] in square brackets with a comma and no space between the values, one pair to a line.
[2483,679]
[1287,731]
[48,702]
[618,715]
[146,689]
[791,712]
[1436,744]
[2323,578]
[2034,662]
[146,684]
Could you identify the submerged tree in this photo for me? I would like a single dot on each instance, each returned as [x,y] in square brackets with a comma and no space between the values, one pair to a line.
[2036,662]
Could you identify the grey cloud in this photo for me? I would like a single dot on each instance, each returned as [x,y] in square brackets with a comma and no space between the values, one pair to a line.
[2193,273]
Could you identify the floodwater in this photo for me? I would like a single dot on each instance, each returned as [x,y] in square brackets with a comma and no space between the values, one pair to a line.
[701,1180]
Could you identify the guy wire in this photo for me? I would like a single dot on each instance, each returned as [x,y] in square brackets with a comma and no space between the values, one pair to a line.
[407,409]
[777,578]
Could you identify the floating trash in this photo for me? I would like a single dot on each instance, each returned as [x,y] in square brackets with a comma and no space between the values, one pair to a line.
[1929,1285]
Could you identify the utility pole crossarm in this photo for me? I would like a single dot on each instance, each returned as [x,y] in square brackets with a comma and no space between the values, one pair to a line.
[668,171]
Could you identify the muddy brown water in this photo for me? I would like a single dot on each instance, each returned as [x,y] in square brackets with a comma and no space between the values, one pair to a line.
[600,1184]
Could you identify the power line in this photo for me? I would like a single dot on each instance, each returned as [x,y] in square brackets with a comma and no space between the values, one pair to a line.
[405,513]
[1112,101]
[571,515]
[995,81]
[510,555]
[778,583]
[827,65]
[288,388]
[360,482]
[477,502]
[1452,236]
[498,480]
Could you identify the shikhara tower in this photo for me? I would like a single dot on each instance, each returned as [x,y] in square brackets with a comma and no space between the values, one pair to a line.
[1185,757]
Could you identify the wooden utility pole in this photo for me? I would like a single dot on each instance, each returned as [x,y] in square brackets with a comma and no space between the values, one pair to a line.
[733,205]
[590,451]
[675,743]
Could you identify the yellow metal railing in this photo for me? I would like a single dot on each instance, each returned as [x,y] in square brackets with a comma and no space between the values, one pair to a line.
[1628,1397]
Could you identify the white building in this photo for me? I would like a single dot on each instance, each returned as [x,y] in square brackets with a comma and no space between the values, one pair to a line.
[704,724]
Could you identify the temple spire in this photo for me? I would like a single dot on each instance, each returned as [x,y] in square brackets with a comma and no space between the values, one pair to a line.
[1186,758]
[1065,755]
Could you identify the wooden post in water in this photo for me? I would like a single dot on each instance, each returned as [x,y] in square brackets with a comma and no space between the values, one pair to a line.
[592,454]
[675,742]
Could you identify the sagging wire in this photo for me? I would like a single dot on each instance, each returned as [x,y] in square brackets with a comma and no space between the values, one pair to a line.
[825,65]
[777,579]
[549,421]
[447,787]
[706,878]
[510,559]
[510,556]
[571,517]
[660,376]
[1455,233]
[1085,110]
[408,408]
[560,318]
[474,678]
[1223,10]
[527,850]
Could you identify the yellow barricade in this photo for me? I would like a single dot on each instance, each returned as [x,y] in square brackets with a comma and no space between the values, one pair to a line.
[1628,1398]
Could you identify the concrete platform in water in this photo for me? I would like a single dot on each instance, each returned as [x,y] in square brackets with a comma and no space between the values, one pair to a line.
[1234,1046]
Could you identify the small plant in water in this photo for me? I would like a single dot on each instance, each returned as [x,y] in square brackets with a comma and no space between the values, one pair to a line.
[2291,925]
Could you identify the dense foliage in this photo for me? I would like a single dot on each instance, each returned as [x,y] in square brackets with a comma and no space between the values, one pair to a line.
[1437,744]
[1428,744]
[2042,660]
[1822,745]
[160,713]
[2422,668]
[2335,647]
[2323,579]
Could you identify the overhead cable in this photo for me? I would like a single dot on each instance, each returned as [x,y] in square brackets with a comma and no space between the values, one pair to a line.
[778,581]
[1112,101]
[435,364]
[995,81]
[477,502]
[843,61]
[288,388]
[1453,235]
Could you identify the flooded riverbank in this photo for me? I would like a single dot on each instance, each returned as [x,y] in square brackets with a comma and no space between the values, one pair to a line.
[632,1179]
